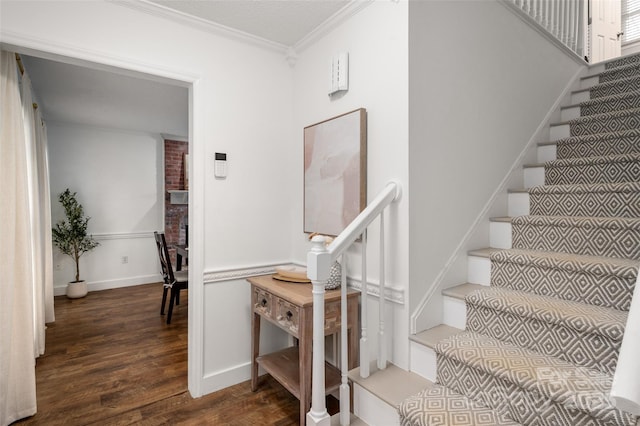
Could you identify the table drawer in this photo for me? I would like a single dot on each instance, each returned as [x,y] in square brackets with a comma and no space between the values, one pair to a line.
[288,315]
[262,302]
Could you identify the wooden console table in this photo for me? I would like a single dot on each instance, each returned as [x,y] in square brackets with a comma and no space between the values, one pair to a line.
[290,307]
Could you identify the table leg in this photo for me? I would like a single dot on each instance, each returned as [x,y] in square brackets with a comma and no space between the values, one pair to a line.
[255,349]
[305,351]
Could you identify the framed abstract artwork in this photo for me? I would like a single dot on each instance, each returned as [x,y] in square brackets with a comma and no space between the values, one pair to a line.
[335,172]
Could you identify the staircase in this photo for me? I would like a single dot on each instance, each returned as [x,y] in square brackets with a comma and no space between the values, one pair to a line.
[546,308]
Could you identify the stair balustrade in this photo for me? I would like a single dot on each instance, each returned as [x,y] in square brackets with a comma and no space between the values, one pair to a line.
[565,20]
[319,261]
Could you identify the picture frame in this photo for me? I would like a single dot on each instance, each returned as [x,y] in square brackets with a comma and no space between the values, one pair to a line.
[335,172]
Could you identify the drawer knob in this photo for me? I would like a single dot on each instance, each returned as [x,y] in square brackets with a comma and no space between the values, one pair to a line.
[289,315]
[264,302]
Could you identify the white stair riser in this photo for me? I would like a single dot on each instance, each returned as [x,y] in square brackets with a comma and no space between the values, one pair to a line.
[455,312]
[596,69]
[478,270]
[372,410]
[547,153]
[423,361]
[567,114]
[533,176]
[500,235]
[588,82]
[559,131]
[580,96]
[518,204]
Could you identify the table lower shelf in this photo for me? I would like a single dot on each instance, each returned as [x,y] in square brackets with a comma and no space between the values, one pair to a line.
[284,366]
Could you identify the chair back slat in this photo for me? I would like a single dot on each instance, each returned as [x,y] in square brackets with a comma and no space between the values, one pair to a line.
[165,260]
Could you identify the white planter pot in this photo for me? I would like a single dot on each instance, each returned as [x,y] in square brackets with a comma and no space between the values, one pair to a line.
[77,289]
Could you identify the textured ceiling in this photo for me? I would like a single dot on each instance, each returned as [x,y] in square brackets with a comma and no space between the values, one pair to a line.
[281,21]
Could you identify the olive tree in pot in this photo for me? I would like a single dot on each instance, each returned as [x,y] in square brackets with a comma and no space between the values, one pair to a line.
[70,236]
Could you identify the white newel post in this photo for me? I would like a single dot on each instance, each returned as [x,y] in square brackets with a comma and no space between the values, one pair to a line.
[318,270]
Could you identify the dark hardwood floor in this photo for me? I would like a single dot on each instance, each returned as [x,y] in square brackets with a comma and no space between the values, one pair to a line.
[112,360]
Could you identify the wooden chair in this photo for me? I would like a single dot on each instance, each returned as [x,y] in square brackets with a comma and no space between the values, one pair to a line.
[174,281]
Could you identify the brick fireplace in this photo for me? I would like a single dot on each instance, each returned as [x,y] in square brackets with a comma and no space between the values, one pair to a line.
[176,215]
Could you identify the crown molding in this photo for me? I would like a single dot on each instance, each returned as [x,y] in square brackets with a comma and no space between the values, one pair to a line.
[202,24]
[332,22]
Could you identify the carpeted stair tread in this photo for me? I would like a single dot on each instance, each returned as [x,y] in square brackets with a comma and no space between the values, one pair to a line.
[593,236]
[439,405]
[596,265]
[622,71]
[603,169]
[605,122]
[585,335]
[526,384]
[589,199]
[600,281]
[593,160]
[607,104]
[624,60]
[601,144]
[621,187]
[613,87]
[577,316]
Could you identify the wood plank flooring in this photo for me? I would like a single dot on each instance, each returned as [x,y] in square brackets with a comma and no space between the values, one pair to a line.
[112,360]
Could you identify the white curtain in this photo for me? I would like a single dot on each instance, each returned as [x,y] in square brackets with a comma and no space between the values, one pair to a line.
[39,214]
[26,296]
[17,362]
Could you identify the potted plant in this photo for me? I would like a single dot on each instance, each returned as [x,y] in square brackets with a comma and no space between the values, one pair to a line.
[70,236]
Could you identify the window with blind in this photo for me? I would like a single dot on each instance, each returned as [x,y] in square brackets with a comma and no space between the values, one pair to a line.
[630,21]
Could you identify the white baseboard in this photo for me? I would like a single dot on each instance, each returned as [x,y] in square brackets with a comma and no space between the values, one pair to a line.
[221,379]
[109,284]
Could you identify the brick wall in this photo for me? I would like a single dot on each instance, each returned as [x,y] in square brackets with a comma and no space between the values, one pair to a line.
[175,214]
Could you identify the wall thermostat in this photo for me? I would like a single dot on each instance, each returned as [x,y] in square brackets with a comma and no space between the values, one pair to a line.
[220,165]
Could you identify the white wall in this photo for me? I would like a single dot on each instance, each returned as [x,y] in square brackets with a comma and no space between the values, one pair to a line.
[240,103]
[376,40]
[118,178]
[481,82]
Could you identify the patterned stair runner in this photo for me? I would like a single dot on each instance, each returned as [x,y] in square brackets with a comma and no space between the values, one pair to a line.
[586,335]
[529,387]
[600,281]
[605,144]
[603,169]
[597,200]
[542,341]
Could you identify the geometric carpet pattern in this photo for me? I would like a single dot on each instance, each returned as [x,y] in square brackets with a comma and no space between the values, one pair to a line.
[599,281]
[620,72]
[591,236]
[595,200]
[441,406]
[626,85]
[531,388]
[604,169]
[542,340]
[607,122]
[611,103]
[586,335]
[612,143]
[626,60]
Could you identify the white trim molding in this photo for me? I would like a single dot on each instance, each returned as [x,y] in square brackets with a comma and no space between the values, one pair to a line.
[122,235]
[200,23]
[392,294]
[210,277]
